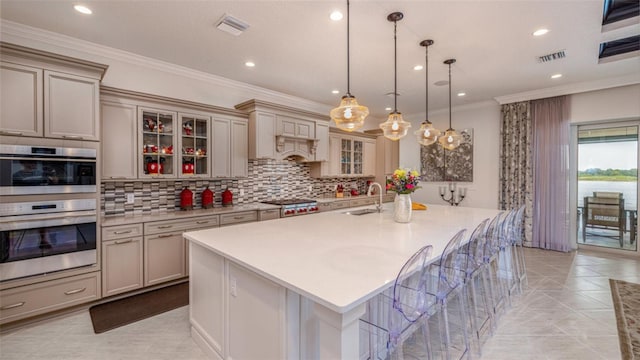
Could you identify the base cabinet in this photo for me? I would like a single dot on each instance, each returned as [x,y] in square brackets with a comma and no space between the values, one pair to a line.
[235,314]
[123,258]
[164,258]
[26,301]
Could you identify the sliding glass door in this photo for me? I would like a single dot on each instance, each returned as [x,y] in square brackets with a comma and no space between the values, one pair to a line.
[606,185]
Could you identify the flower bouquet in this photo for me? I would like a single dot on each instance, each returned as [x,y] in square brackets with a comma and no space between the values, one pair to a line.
[403,181]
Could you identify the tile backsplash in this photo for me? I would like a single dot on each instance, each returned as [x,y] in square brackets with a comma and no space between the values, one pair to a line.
[267,180]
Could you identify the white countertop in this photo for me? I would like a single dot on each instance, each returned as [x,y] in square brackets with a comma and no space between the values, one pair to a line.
[335,259]
[170,215]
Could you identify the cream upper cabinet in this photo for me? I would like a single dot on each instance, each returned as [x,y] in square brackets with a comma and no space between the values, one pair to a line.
[387,156]
[20,100]
[194,146]
[71,106]
[369,157]
[322,134]
[239,148]
[50,95]
[221,147]
[119,139]
[349,155]
[230,147]
[157,131]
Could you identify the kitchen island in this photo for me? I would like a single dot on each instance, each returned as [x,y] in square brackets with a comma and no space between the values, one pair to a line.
[294,288]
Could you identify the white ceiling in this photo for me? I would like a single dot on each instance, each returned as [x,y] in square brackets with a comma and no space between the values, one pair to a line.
[298,50]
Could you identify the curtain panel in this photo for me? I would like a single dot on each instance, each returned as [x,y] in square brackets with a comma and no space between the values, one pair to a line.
[516,162]
[551,173]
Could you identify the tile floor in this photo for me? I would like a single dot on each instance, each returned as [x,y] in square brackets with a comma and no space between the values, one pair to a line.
[564,313]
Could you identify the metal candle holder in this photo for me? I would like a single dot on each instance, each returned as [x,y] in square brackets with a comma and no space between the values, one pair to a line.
[453,200]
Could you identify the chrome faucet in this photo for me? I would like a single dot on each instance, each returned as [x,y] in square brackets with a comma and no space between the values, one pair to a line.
[378,204]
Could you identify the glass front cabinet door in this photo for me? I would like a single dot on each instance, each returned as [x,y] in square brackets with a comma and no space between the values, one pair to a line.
[158,143]
[345,157]
[195,147]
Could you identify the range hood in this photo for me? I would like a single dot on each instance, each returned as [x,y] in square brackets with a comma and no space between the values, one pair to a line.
[280,132]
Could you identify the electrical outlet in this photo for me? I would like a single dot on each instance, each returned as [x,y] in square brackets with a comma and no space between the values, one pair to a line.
[131,198]
[310,188]
[241,192]
[233,287]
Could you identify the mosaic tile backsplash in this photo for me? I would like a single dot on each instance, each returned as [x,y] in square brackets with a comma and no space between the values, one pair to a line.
[267,180]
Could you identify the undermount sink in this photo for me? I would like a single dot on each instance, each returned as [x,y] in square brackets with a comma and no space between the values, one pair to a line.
[361,212]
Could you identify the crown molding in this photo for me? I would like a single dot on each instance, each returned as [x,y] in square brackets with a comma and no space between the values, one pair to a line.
[12,32]
[570,89]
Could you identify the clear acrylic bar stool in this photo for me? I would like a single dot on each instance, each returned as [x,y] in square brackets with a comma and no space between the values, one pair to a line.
[447,283]
[401,314]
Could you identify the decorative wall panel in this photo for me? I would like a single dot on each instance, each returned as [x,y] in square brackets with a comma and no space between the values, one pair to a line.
[437,164]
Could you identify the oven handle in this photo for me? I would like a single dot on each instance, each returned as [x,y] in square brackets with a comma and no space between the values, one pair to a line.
[36,158]
[43,223]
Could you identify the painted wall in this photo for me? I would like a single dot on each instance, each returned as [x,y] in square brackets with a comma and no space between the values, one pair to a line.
[484,118]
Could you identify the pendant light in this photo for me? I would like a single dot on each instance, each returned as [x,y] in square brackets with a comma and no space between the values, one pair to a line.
[427,134]
[349,115]
[395,127]
[451,139]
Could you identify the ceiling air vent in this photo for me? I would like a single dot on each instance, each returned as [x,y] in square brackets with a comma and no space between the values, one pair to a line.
[553,56]
[231,25]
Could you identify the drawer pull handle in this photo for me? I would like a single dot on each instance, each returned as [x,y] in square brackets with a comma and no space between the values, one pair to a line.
[123,241]
[165,235]
[71,292]
[11,133]
[122,232]
[117,177]
[202,222]
[238,217]
[72,136]
[12,306]
[165,227]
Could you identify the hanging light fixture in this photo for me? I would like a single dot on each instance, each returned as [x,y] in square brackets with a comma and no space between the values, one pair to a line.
[395,127]
[451,139]
[349,116]
[427,134]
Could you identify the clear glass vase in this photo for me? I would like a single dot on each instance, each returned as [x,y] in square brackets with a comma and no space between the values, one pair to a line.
[402,208]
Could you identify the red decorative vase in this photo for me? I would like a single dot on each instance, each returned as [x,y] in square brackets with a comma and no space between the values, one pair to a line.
[186,199]
[227,198]
[207,198]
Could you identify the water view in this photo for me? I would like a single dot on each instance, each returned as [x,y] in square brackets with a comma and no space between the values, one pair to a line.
[627,188]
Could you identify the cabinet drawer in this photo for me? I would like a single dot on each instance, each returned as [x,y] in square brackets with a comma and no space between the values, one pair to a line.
[269,214]
[339,205]
[157,227]
[324,206]
[239,217]
[30,300]
[121,231]
[361,202]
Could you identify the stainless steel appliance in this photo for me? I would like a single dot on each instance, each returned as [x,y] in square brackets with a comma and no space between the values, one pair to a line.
[293,207]
[46,236]
[26,170]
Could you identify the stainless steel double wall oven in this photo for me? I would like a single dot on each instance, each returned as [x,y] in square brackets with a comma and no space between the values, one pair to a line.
[48,209]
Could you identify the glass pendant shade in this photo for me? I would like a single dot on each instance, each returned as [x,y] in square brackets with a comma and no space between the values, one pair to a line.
[395,127]
[350,115]
[427,134]
[450,140]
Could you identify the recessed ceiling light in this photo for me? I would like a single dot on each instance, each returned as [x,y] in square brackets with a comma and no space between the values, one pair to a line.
[418,67]
[556,76]
[387,109]
[540,32]
[249,64]
[336,16]
[83,9]
[335,91]
[462,93]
